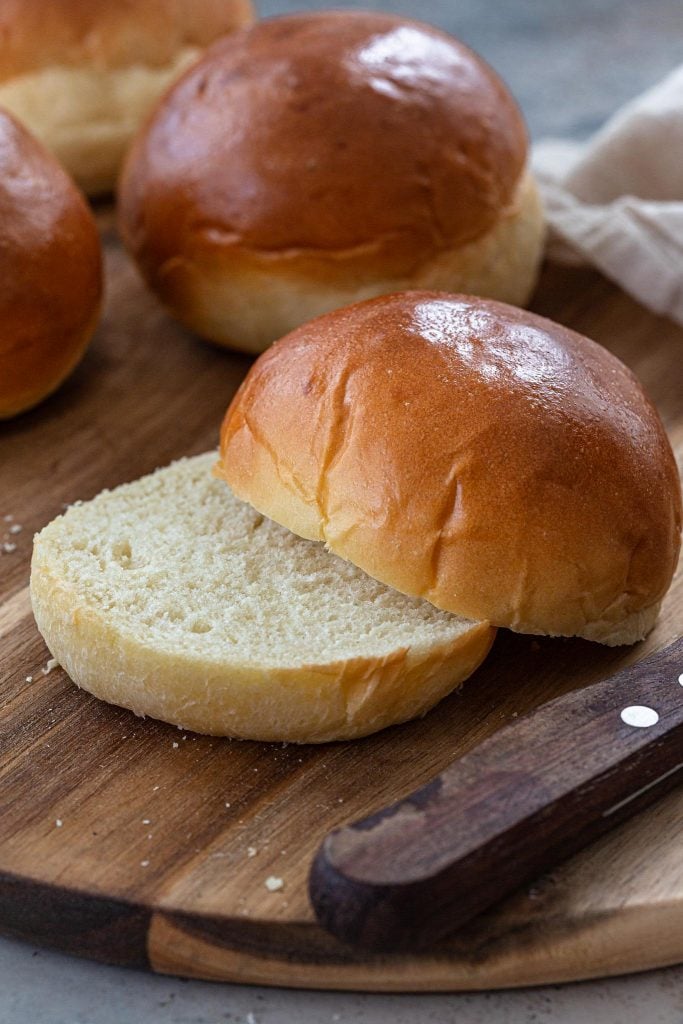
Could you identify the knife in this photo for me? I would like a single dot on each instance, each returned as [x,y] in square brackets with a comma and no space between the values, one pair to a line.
[526,798]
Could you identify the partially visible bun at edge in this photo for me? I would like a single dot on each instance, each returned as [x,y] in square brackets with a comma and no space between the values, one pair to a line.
[83,74]
[50,271]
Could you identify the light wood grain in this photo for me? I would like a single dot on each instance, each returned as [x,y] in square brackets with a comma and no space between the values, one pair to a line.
[147,393]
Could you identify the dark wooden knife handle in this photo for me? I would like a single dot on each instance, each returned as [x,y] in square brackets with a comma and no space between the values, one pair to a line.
[529,796]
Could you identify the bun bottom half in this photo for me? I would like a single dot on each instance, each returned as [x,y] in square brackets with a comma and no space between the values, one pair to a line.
[172,598]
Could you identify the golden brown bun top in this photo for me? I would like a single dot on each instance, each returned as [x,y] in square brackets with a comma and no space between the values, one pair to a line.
[109,33]
[327,132]
[50,269]
[487,459]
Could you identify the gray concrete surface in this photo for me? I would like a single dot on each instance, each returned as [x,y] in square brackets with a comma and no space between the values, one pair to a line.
[570,64]
[37,987]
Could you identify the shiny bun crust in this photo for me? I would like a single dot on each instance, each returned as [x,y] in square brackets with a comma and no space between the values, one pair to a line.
[83,74]
[491,461]
[50,271]
[318,159]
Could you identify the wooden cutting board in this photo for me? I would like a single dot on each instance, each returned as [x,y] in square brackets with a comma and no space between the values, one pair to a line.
[128,841]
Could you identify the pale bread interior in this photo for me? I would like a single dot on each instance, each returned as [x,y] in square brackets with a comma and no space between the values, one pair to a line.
[173,598]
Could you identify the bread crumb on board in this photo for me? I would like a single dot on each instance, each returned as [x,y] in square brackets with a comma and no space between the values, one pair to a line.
[51,663]
[58,822]
[274,884]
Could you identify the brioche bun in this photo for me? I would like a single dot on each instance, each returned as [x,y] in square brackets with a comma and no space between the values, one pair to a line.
[489,460]
[83,74]
[171,597]
[50,271]
[318,159]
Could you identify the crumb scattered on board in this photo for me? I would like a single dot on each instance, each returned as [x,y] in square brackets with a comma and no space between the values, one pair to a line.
[274,884]
[8,546]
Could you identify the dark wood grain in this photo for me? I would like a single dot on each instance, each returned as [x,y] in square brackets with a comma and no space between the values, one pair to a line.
[531,795]
[147,393]
[80,923]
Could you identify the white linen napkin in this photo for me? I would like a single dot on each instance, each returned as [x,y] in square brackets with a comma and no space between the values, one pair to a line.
[616,202]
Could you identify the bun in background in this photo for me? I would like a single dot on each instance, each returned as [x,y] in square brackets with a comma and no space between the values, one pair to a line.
[50,271]
[83,74]
[315,160]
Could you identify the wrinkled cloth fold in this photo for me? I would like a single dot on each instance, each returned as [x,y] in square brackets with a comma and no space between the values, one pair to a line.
[616,202]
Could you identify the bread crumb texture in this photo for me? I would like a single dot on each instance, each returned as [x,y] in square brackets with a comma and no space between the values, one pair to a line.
[173,598]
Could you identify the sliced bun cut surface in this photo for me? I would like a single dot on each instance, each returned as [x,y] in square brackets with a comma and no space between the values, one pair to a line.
[83,74]
[50,271]
[318,159]
[488,460]
[171,597]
